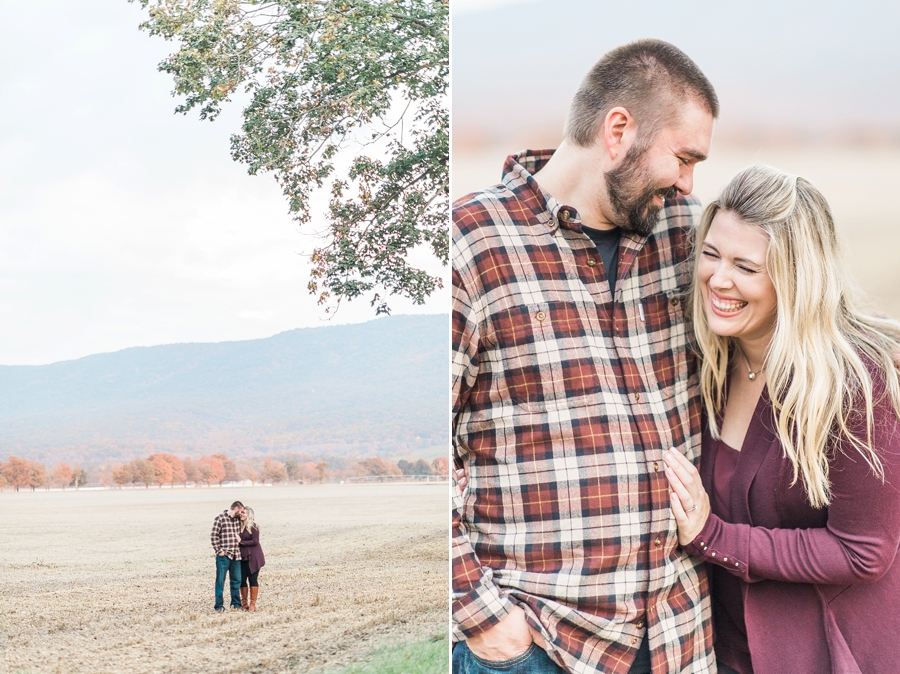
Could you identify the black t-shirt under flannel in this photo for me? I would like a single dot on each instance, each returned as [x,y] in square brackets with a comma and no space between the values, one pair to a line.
[607,242]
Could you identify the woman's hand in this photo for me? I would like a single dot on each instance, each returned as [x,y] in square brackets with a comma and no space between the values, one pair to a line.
[690,503]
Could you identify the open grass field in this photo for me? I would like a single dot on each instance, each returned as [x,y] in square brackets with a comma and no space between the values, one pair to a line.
[122,581]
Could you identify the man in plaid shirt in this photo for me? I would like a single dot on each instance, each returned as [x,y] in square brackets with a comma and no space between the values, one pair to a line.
[571,377]
[226,541]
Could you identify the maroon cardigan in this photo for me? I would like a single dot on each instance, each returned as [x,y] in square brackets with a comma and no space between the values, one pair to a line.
[821,587]
[251,550]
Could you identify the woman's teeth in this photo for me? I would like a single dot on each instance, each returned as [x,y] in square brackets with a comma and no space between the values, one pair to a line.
[727,305]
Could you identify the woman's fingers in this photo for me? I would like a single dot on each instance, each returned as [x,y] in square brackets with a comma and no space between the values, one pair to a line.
[679,457]
[682,461]
[678,479]
[677,462]
[689,478]
[685,467]
[681,518]
[687,530]
[689,502]
[684,495]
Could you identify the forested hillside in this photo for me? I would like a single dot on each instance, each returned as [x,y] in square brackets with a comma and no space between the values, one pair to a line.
[374,388]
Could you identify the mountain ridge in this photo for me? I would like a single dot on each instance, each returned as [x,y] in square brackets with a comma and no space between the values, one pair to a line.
[374,388]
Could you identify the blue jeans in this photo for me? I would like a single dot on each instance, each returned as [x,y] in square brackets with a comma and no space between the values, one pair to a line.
[533,661]
[224,564]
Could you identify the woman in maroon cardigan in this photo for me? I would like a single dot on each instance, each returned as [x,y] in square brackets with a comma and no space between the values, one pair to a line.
[252,560]
[796,505]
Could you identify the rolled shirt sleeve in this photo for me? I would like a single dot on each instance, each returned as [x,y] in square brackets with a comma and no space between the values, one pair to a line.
[478,603]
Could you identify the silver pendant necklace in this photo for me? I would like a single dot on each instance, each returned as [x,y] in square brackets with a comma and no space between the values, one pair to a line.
[751,375]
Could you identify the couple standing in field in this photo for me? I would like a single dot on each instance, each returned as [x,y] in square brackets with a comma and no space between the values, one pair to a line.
[680,436]
[235,540]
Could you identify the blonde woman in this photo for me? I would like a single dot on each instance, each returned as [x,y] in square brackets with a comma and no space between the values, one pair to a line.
[252,560]
[796,504]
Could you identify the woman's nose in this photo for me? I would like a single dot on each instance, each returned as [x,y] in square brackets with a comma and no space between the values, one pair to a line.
[721,277]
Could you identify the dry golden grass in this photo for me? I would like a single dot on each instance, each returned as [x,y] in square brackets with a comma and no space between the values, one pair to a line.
[122,581]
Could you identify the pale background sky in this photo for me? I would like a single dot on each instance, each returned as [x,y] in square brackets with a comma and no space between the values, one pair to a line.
[777,65]
[121,223]
[459,7]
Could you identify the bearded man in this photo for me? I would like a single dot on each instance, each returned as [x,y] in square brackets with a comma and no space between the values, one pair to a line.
[226,542]
[572,376]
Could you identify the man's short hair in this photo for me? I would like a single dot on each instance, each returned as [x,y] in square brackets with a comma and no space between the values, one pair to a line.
[236,504]
[649,78]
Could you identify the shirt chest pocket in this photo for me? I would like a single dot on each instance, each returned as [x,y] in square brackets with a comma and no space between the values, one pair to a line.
[662,343]
[544,356]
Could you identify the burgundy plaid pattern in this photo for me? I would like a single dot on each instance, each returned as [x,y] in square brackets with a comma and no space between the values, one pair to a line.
[564,400]
[226,535]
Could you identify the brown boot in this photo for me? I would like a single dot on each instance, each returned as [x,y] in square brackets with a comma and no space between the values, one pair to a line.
[244,604]
[254,592]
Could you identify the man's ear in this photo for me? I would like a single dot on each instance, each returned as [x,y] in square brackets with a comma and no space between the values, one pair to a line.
[618,132]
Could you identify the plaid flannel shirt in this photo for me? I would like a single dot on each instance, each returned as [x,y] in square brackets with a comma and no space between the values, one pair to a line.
[564,400]
[226,535]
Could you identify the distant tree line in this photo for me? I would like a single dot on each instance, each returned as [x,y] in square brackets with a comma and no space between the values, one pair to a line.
[22,473]
[160,469]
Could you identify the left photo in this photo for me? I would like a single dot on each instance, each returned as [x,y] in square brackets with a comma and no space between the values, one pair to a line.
[223,373]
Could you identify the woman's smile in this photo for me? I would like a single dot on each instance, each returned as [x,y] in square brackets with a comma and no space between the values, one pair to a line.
[725,306]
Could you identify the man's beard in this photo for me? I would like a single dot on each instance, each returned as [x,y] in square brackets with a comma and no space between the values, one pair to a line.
[630,195]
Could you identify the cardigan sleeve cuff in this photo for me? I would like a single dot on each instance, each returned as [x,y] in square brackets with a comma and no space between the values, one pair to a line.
[698,546]
[713,544]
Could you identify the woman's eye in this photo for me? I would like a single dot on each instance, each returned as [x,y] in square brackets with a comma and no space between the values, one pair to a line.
[710,254]
[746,269]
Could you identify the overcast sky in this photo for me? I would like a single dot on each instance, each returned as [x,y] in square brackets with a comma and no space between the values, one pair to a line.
[804,66]
[121,223]
[460,7]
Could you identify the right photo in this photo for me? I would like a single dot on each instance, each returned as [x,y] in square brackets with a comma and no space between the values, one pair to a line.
[674,343]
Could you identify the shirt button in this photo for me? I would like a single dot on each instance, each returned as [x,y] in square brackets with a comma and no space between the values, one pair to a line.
[640,624]
[592,262]
[540,315]
[724,559]
[658,542]
[656,465]
[713,554]
[637,397]
[674,301]
[633,641]
[564,215]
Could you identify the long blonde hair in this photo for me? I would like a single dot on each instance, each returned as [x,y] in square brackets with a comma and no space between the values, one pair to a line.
[815,365]
[248,524]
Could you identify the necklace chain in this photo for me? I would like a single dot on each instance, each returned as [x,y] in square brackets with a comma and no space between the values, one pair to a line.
[751,375]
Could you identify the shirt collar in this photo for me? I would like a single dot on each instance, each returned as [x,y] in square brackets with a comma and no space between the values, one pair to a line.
[518,176]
